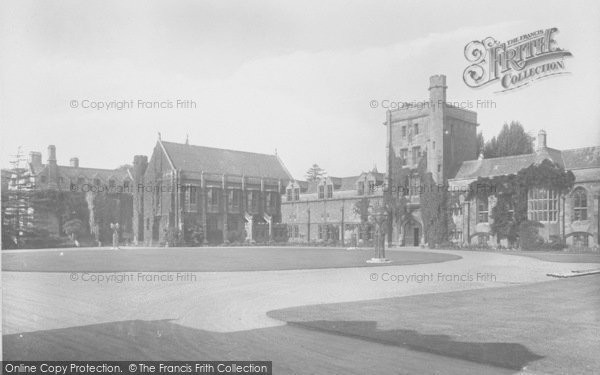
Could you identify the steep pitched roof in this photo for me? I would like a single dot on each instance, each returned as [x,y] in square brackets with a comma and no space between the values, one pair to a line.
[495,166]
[220,161]
[586,157]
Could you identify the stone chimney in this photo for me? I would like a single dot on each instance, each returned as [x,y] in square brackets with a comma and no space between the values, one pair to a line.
[541,140]
[35,159]
[75,162]
[52,167]
[52,154]
[437,90]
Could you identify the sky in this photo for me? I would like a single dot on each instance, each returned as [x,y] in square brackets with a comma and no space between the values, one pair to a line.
[296,78]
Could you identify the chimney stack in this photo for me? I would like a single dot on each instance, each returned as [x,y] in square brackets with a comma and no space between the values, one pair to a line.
[52,154]
[541,140]
[75,162]
[35,159]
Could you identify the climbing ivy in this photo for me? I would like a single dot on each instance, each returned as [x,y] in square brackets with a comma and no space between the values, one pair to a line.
[510,191]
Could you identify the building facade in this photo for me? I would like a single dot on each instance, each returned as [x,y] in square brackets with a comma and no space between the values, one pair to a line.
[572,217]
[437,139]
[328,210]
[200,195]
[433,129]
[72,181]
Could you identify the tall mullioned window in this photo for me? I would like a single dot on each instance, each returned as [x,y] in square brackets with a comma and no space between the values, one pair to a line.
[321,191]
[542,205]
[482,210]
[329,191]
[579,204]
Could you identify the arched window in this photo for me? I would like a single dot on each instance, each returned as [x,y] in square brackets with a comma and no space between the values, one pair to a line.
[579,204]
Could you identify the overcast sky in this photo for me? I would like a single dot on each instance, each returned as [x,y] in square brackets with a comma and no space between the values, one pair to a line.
[293,76]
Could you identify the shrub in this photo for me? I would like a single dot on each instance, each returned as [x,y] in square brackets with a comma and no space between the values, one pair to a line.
[529,238]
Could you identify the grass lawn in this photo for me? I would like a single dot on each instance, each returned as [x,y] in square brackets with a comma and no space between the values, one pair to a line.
[553,256]
[549,327]
[548,256]
[217,259]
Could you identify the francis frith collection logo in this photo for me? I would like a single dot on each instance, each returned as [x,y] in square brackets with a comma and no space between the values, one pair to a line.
[515,63]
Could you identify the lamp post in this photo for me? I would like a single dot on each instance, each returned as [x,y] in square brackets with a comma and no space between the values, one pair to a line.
[379,217]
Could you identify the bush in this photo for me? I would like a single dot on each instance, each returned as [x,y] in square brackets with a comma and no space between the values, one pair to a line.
[174,237]
[529,238]
[236,236]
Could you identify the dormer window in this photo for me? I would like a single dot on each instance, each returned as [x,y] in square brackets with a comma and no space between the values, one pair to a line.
[111,183]
[371,187]
[97,181]
[329,191]
[297,194]
[289,194]
[321,191]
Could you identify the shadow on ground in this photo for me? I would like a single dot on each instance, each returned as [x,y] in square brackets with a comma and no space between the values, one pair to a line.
[162,340]
[292,350]
[512,356]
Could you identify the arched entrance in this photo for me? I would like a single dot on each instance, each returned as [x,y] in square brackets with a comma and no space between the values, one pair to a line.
[411,233]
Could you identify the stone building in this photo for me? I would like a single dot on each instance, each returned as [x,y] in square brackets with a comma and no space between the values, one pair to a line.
[325,211]
[572,217]
[433,129]
[74,179]
[446,137]
[206,195]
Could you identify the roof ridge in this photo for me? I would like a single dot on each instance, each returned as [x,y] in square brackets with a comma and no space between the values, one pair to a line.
[220,149]
[501,157]
[580,148]
[102,169]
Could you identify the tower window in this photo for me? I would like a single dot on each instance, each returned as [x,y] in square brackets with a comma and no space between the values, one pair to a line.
[416,154]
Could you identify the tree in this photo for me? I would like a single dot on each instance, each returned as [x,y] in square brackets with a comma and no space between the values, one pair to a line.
[314,173]
[480,144]
[512,140]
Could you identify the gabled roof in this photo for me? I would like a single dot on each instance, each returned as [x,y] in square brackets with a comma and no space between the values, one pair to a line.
[588,157]
[220,161]
[471,169]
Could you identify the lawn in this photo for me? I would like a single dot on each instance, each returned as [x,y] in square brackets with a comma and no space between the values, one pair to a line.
[217,259]
[549,327]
